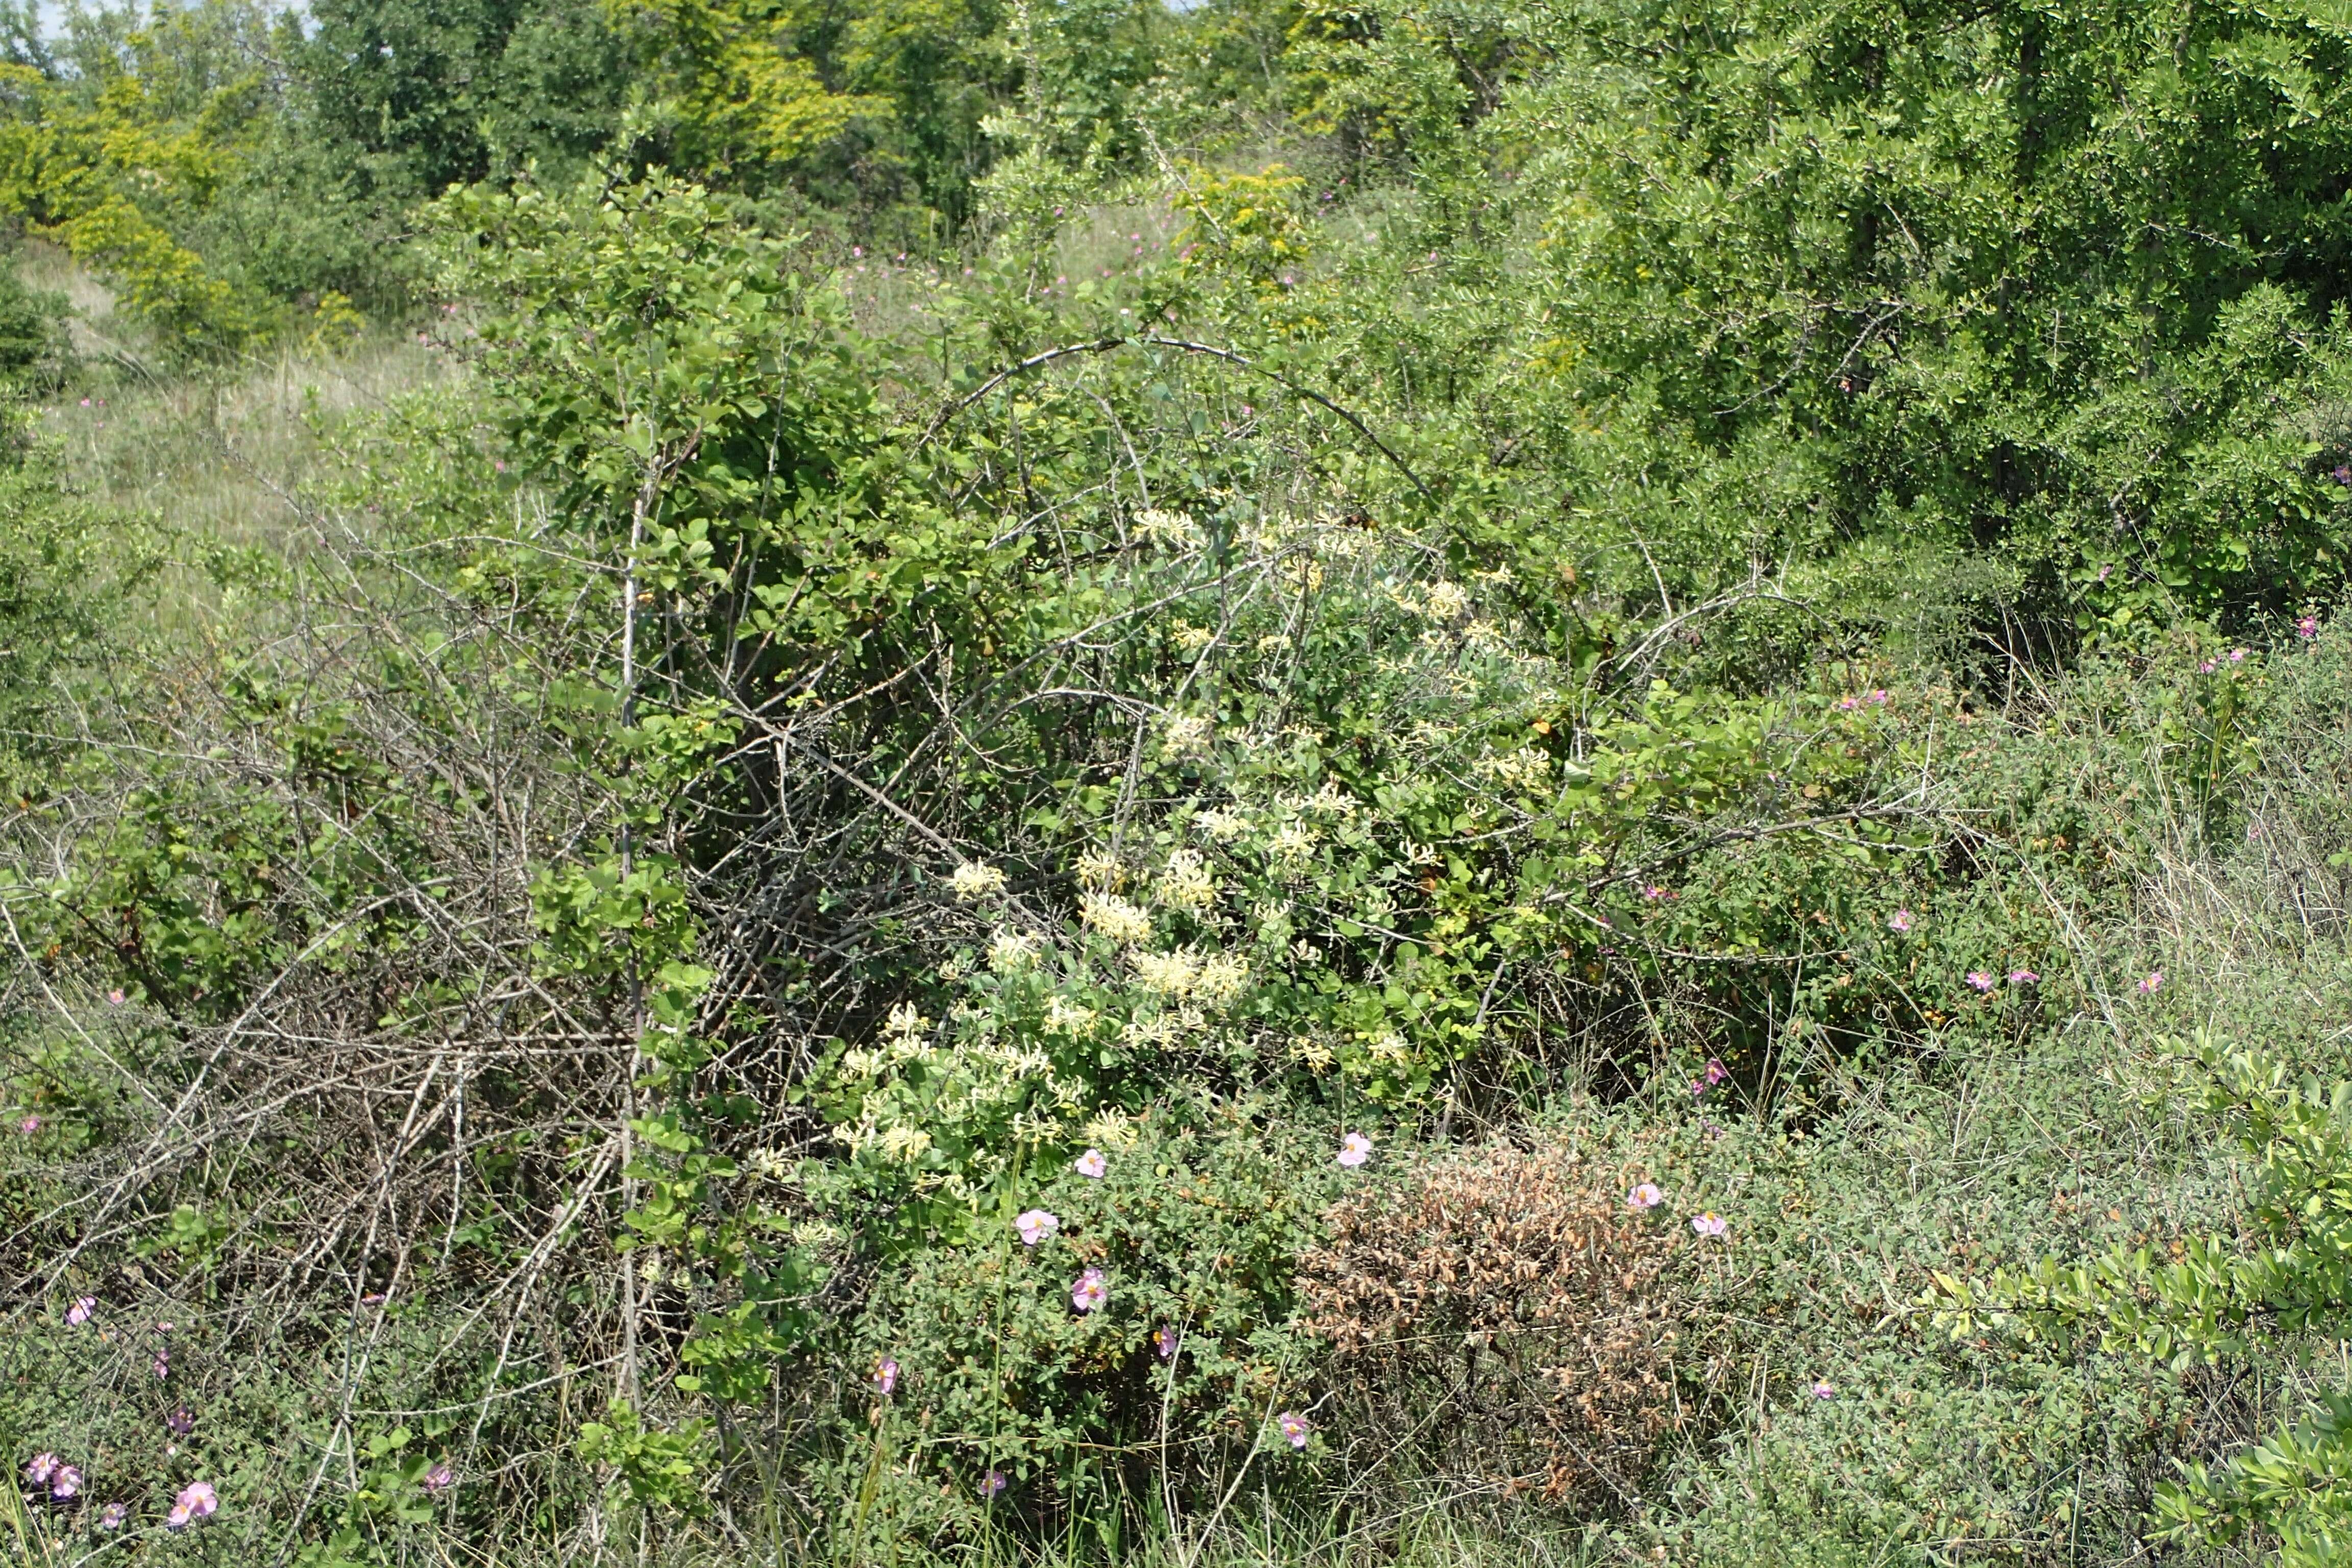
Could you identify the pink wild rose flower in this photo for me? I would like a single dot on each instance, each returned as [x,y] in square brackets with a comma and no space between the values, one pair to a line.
[1090,1292]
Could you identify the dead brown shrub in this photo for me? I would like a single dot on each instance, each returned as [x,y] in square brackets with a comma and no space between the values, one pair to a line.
[1502,1318]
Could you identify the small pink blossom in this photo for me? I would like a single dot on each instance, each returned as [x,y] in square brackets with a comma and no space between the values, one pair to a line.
[40,1469]
[991,1484]
[1848,704]
[1354,1150]
[1879,697]
[112,1515]
[1825,1389]
[1091,1291]
[1711,1224]
[78,1313]
[30,1125]
[1165,1338]
[1900,920]
[2154,982]
[886,1376]
[114,997]
[2206,667]
[1091,1163]
[162,1365]
[2023,978]
[2237,655]
[1644,1195]
[1295,1428]
[437,1480]
[197,1500]
[1652,891]
[1035,1225]
[2307,628]
[181,1422]
[65,1483]
[1980,980]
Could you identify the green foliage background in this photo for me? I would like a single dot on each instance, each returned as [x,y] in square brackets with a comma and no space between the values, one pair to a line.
[874,622]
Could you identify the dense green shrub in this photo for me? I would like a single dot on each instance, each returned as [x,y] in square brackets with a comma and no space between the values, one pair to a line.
[1177,1378]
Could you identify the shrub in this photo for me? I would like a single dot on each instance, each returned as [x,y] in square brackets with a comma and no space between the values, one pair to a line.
[1513,1309]
[1195,1351]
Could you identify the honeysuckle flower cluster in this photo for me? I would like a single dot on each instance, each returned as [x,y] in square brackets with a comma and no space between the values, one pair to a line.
[1167,529]
[1110,916]
[1111,1129]
[1186,735]
[976,879]
[1185,883]
[1292,847]
[1441,601]
[1222,826]
[1011,952]
[1182,974]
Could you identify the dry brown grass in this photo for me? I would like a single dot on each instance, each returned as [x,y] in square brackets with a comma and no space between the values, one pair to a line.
[1503,1318]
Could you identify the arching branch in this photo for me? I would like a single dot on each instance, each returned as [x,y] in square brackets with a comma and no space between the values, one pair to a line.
[1152,340]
